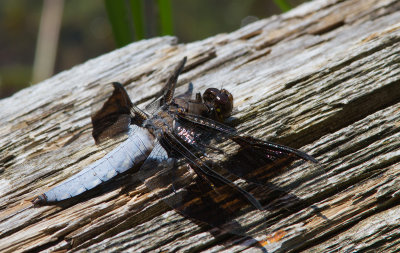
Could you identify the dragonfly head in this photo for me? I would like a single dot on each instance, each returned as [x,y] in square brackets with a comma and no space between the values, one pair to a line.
[220,102]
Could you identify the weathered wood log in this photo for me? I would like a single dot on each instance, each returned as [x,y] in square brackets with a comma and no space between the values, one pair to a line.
[324,77]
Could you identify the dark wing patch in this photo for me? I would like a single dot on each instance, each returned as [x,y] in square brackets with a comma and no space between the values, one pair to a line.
[114,117]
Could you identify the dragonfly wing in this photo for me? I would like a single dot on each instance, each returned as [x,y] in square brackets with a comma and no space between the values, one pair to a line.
[112,118]
[249,158]
[191,187]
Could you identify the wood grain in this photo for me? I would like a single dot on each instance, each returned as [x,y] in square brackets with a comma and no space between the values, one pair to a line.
[324,77]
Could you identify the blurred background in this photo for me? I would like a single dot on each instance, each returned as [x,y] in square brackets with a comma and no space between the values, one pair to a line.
[41,38]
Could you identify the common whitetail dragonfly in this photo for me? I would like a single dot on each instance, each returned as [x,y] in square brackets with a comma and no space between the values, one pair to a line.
[190,158]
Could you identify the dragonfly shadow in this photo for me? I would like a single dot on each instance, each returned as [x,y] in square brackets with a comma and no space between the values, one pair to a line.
[212,204]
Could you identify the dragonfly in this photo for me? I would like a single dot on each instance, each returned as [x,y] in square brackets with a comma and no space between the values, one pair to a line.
[198,165]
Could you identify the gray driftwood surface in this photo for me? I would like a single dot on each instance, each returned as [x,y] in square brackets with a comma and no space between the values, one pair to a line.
[324,77]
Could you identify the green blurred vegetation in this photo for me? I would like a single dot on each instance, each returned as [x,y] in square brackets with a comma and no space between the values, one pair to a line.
[86,31]
[118,14]
[128,20]
[165,13]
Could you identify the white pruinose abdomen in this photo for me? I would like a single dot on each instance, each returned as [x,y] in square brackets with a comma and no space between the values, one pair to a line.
[132,151]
